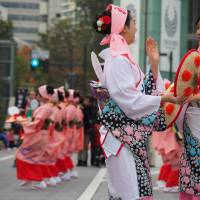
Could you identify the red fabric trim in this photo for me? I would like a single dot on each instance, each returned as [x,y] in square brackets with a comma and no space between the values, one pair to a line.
[61,165]
[101,145]
[119,149]
[28,172]
[164,172]
[104,139]
[69,163]
[104,153]
[173,178]
[53,170]
[47,173]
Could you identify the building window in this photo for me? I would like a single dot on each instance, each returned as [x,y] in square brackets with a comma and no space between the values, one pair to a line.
[25,30]
[24,17]
[193,14]
[20,5]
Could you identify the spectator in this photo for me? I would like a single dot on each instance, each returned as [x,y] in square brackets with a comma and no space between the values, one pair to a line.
[89,118]
[4,139]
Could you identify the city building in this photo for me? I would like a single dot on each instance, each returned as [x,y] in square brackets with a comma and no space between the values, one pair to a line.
[60,9]
[3,13]
[68,9]
[29,18]
[54,11]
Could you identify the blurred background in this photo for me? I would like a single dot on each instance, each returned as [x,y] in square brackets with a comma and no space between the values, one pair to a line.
[49,41]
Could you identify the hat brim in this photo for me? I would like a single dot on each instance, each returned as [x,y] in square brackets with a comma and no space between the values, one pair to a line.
[186,76]
[171,110]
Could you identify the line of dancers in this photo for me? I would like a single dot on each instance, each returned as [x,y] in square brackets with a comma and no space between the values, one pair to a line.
[50,138]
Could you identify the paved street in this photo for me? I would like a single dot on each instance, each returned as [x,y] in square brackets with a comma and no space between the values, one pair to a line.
[91,185]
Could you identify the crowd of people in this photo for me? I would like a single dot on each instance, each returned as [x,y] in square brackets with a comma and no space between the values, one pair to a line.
[61,125]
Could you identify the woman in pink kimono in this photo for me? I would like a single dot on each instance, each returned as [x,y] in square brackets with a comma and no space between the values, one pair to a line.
[55,139]
[130,112]
[79,136]
[70,116]
[30,153]
[61,163]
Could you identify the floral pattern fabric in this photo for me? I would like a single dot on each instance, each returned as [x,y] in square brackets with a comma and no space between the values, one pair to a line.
[190,164]
[133,133]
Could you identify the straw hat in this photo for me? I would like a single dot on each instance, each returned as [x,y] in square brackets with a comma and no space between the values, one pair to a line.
[171,110]
[187,76]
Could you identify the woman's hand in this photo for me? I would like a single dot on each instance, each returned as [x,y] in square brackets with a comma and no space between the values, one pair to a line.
[172,99]
[153,54]
[194,98]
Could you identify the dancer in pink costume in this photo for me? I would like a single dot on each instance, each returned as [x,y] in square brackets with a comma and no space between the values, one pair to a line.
[70,116]
[29,156]
[61,163]
[168,145]
[79,137]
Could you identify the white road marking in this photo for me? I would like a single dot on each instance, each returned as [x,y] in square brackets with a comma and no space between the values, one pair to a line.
[6,158]
[93,186]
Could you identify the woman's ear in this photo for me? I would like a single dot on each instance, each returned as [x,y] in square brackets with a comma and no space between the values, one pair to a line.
[124,29]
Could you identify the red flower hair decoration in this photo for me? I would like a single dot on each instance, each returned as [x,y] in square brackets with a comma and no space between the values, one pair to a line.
[102,21]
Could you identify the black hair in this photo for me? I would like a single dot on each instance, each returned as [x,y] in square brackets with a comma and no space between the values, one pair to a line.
[76,94]
[106,28]
[50,89]
[60,96]
[197,21]
[66,93]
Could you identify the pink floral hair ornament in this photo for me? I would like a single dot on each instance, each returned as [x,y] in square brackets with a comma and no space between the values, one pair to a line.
[118,44]
[102,21]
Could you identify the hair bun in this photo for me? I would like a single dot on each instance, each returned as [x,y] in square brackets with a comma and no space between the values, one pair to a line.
[102,22]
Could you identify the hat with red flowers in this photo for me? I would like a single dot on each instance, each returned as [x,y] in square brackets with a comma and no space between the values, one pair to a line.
[171,110]
[187,81]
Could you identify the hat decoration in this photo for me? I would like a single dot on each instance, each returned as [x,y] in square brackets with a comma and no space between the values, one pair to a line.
[171,110]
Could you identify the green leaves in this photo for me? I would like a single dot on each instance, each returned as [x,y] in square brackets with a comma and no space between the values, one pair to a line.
[6,30]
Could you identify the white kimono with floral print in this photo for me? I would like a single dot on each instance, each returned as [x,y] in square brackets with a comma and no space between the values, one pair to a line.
[124,82]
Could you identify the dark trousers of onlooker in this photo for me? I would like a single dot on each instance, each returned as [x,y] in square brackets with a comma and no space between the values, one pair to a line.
[97,157]
[83,155]
[4,139]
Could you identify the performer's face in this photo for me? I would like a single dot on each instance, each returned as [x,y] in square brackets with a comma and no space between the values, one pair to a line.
[198,32]
[129,31]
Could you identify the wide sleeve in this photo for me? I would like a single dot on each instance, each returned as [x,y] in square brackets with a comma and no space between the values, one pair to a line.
[35,125]
[121,82]
[153,86]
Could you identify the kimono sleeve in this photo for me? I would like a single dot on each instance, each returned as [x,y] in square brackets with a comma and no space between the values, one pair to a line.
[153,86]
[121,84]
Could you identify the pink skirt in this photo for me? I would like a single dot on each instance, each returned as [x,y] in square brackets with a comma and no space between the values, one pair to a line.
[185,196]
